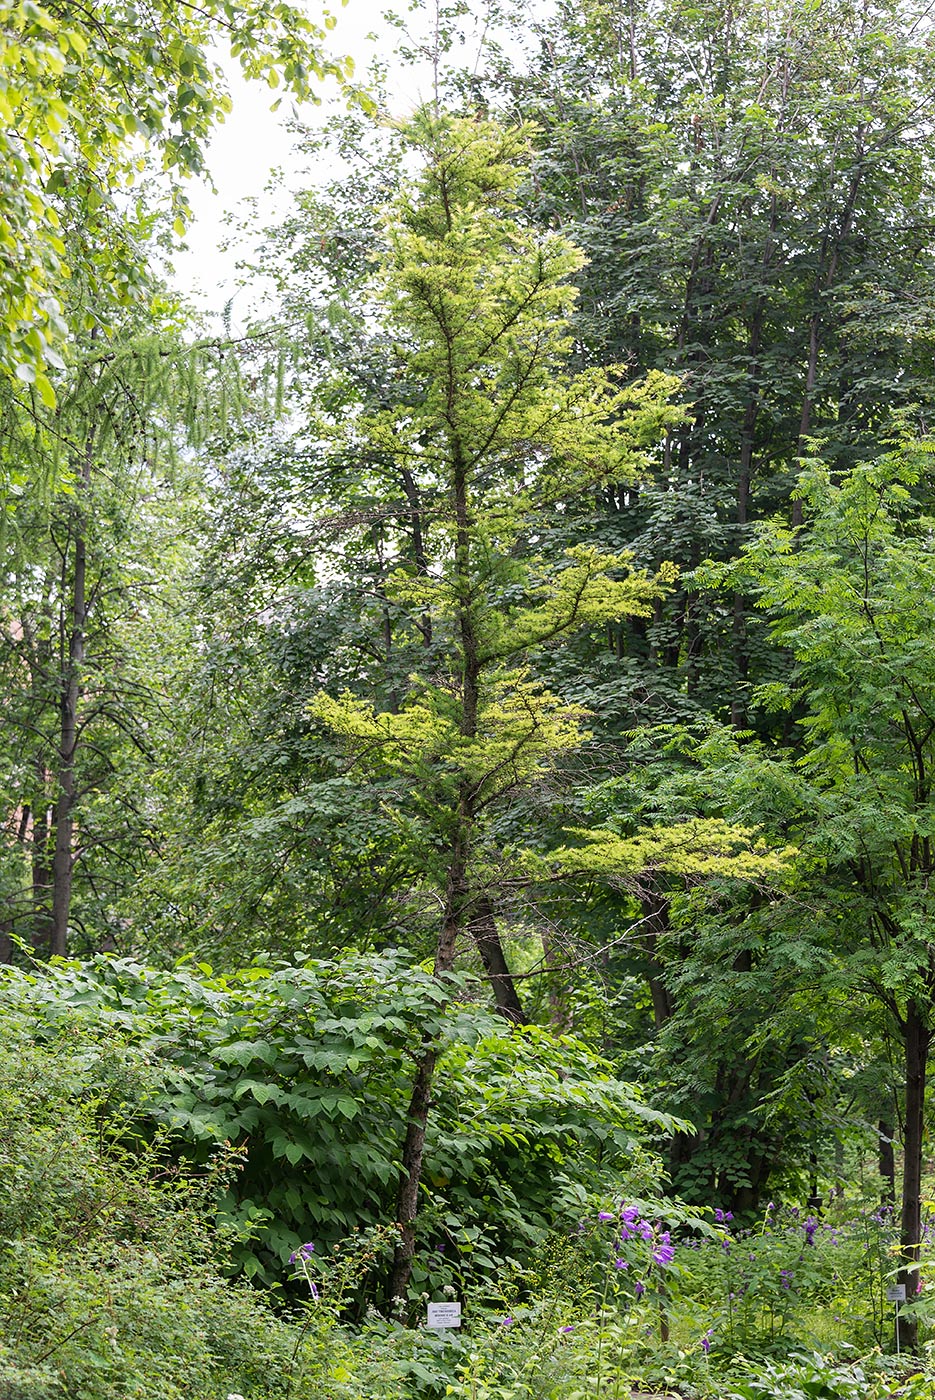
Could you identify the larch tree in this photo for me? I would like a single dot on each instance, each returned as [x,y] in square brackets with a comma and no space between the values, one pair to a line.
[494,435]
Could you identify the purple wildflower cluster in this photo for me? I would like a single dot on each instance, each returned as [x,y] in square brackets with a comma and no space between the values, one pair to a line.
[633,1227]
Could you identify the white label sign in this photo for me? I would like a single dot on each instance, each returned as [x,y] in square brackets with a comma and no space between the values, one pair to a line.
[896,1293]
[444,1315]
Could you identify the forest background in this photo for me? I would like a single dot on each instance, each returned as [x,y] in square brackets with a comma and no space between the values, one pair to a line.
[468,733]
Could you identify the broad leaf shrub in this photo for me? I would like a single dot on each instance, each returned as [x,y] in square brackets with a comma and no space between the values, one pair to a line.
[306,1070]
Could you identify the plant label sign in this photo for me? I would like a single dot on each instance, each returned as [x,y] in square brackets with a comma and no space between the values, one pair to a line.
[896,1293]
[444,1315]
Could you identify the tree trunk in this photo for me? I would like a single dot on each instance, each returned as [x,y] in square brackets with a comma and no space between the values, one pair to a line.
[420,1100]
[916,1041]
[43,830]
[483,927]
[824,281]
[655,912]
[63,859]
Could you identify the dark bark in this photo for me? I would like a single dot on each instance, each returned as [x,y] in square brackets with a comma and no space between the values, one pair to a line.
[832,245]
[916,1044]
[420,1099]
[486,935]
[751,413]
[63,861]
[655,922]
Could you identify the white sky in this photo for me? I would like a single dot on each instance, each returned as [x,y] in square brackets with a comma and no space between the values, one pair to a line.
[253,142]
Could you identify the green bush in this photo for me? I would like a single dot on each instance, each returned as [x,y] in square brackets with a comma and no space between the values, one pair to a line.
[307,1068]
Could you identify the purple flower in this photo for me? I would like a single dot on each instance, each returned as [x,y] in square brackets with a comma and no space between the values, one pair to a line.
[506,1322]
[664,1254]
[723,1217]
[304,1251]
[646,1230]
[630,1224]
[604,1215]
[706,1342]
[569,1328]
[639,1288]
[620,1263]
[811,1225]
[785,1276]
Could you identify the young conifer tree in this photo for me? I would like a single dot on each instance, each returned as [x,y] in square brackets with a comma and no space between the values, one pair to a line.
[495,438]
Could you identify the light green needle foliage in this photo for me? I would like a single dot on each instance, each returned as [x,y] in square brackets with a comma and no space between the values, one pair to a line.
[495,436]
[699,849]
[520,729]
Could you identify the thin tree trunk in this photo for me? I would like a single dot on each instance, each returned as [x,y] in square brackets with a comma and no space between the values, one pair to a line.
[414,499]
[655,911]
[916,1041]
[486,935]
[420,1101]
[824,281]
[43,831]
[63,861]
[751,412]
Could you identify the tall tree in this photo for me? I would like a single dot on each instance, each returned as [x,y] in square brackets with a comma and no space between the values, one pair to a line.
[491,435]
[83,589]
[850,599]
[752,186]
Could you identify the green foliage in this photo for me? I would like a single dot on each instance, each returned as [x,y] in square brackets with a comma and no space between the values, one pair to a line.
[305,1070]
[112,1283]
[83,94]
